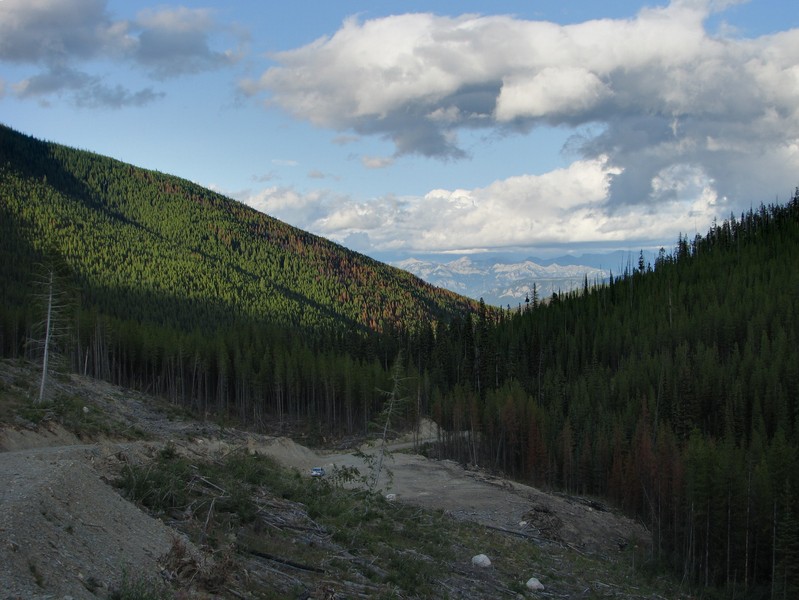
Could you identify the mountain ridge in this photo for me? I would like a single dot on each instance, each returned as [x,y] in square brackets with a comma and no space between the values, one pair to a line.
[501,282]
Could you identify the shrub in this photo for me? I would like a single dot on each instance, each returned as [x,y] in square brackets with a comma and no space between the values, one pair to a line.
[140,588]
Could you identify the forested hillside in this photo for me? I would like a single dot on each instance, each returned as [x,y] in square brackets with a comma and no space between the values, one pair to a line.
[170,287]
[672,390]
[127,232]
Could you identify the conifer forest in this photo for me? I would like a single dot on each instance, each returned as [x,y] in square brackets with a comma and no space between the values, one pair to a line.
[670,391]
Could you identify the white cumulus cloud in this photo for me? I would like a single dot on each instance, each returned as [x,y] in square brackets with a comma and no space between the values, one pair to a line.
[57,39]
[565,206]
[551,91]
[661,91]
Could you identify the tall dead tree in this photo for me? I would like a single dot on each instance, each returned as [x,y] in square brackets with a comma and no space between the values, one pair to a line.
[52,328]
[394,405]
[48,329]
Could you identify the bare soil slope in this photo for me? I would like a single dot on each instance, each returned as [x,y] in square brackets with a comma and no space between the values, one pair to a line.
[65,531]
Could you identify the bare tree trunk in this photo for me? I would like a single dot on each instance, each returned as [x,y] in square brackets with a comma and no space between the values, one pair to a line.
[707,546]
[394,400]
[48,327]
[746,543]
[689,555]
[729,533]
[774,552]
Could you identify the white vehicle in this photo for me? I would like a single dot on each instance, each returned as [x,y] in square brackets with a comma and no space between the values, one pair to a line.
[317,472]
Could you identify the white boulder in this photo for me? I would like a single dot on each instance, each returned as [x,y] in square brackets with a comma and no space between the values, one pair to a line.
[481,560]
[534,585]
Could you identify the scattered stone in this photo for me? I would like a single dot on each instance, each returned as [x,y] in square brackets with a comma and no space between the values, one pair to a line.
[481,560]
[534,585]
[391,497]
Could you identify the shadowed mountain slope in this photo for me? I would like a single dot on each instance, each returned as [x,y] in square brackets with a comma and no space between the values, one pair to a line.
[156,248]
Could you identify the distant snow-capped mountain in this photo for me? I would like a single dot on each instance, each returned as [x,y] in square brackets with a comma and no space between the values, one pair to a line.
[502,283]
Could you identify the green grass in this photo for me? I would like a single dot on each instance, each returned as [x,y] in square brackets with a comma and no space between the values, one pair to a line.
[140,588]
[160,486]
[15,399]
[75,415]
[67,404]
[37,576]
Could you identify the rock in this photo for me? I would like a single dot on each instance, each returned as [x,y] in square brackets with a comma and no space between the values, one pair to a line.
[534,585]
[391,497]
[481,560]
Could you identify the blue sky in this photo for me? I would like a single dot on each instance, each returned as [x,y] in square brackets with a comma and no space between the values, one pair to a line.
[429,128]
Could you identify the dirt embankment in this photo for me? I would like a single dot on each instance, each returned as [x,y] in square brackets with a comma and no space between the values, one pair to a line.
[65,531]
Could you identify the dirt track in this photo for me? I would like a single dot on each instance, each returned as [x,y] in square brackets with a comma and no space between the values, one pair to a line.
[476,496]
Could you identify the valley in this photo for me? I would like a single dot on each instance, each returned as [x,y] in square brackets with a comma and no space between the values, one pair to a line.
[668,390]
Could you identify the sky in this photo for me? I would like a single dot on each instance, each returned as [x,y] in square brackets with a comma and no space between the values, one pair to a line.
[441,128]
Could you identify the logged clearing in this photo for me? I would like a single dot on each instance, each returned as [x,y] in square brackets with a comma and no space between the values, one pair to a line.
[67,532]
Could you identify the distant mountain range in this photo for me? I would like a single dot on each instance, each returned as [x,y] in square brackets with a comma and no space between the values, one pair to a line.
[502,282]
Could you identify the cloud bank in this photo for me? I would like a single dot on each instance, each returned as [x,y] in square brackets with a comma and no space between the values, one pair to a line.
[686,124]
[59,38]
[566,205]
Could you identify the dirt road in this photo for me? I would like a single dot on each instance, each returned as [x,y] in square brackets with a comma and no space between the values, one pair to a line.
[476,496]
